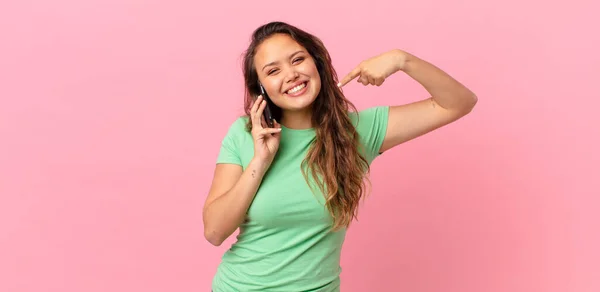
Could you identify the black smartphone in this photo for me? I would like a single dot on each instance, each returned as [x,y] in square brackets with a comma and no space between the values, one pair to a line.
[267,113]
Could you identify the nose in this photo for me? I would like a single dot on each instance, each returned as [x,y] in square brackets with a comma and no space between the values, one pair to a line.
[291,75]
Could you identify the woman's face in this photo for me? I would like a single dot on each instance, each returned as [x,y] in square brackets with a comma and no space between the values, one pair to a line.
[287,72]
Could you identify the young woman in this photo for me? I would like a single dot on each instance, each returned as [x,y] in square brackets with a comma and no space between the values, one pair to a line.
[294,188]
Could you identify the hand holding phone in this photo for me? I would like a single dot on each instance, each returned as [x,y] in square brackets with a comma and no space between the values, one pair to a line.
[266,137]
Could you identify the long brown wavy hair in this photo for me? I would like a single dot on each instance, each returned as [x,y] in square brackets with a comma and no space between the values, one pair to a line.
[334,158]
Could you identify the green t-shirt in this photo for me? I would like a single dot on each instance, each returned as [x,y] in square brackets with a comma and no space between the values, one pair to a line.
[286,243]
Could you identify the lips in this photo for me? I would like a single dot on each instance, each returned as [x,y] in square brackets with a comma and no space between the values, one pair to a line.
[298,86]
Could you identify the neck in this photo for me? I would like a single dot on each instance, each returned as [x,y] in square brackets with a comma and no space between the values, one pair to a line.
[297,120]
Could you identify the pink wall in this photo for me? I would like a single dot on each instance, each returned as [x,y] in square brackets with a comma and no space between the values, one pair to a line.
[108,143]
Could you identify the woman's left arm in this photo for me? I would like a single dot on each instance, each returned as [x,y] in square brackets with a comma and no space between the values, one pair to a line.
[449,101]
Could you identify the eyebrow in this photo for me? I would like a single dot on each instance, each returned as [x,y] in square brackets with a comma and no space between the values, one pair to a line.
[291,56]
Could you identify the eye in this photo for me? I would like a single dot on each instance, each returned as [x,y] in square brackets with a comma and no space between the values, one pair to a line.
[271,71]
[298,59]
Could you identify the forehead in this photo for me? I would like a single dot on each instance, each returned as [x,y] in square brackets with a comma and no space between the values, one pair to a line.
[276,48]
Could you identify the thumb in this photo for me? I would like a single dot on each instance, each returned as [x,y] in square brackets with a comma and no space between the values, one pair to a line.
[355,72]
[277,134]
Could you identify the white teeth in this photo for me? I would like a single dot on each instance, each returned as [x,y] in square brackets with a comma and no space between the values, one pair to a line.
[295,89]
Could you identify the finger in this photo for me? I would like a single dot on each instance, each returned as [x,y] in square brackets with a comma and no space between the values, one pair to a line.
[259,111]
[353,74]
[377,81]
[363,79]
[261,107]
[269,131]
[255,104]
[255,114]
[263,121]
[371,80]
[259,114]
[276,126]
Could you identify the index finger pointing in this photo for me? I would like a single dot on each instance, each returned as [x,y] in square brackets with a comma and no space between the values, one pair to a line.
[355,72]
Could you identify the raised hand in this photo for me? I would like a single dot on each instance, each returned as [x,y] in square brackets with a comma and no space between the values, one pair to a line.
[266,140]
[376,69]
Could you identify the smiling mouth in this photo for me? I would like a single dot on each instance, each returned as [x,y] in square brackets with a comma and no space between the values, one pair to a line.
[297,88]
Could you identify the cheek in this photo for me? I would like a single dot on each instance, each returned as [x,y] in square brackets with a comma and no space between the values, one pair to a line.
[316,78]
[314,74]
[311,70]
[272,87]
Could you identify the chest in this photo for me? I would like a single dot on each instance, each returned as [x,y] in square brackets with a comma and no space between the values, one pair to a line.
[284,198]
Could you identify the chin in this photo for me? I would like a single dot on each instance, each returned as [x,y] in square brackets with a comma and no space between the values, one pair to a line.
[299,103]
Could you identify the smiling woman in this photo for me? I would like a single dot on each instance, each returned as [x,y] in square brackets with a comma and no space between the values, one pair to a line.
[292,91]
[294,189]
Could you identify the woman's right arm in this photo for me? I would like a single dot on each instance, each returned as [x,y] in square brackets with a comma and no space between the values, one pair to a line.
[229,198]
[232,189]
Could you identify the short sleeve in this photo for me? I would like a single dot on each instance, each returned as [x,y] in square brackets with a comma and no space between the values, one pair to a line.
[371,126]
[229,152]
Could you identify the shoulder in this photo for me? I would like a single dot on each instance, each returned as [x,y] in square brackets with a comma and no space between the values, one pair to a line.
[233,142]
[371,118]
[238,126]
[371,125]
[236,132]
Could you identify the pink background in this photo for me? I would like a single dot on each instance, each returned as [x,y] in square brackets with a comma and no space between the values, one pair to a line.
[109,143]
